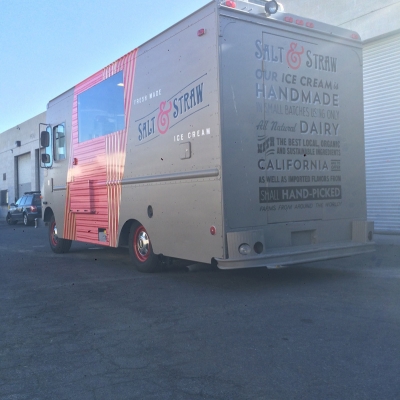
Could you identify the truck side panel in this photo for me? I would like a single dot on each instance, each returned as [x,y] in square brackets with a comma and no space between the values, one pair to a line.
[173,149]
[160,150]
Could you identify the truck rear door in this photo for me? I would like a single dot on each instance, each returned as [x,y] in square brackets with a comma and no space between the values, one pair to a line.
[293,147]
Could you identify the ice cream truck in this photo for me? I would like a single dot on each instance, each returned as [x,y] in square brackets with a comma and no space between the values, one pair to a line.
[235,137]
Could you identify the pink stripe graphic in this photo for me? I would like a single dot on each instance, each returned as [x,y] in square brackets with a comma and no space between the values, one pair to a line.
[94,184]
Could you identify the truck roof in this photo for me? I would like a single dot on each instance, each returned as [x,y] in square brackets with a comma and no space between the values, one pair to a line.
[256,8]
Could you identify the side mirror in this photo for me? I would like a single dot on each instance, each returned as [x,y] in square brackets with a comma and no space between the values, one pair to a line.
[45,158]
[44,139]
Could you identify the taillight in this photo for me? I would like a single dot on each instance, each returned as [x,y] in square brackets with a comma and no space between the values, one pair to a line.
[33,208]
[299,22]
[230,3]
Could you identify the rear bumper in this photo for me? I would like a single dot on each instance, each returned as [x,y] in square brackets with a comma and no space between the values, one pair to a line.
[33,216]
[297,254]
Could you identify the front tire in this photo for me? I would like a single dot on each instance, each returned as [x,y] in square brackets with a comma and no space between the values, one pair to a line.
[9,220]
[141,250]
[57,244]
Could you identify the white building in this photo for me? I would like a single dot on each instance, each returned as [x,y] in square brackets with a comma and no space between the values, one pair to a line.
[20,161]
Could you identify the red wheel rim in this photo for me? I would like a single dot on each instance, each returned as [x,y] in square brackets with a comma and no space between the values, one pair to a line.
[53,234]
[141,244]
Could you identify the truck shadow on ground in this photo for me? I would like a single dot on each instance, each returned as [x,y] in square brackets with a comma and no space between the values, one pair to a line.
[186,272]
[176,268]
[261,277]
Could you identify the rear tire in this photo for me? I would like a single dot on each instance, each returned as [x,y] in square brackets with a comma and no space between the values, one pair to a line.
[57,244]
[141,250]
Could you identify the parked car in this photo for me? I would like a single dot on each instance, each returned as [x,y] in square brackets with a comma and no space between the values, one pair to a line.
[26,209]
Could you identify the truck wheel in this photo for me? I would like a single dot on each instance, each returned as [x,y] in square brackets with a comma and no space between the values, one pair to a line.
[141,250]
[57,244]
[26,221]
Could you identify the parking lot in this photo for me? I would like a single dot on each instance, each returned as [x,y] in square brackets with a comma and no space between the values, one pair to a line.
[86,325]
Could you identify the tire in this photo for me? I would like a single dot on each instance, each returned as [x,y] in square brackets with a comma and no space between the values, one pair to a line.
[141,250]
[9,220]
[57,244]
[26,220]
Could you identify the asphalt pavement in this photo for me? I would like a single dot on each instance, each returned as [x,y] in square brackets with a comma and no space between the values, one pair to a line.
[86,325]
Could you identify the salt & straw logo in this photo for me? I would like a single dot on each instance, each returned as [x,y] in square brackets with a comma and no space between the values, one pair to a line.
[172,111]
[294,54]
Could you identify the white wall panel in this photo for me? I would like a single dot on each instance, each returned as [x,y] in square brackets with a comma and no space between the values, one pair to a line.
[382,132]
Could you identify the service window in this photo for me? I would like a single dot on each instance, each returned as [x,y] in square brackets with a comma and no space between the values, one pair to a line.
[101,109]
[59,142]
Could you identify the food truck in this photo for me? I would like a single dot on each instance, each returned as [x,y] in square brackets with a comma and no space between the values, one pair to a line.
[234,137]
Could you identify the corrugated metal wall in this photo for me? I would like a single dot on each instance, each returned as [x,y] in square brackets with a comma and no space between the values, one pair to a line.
[382,132]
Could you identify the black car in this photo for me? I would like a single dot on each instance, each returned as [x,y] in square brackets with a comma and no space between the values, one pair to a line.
[26,209]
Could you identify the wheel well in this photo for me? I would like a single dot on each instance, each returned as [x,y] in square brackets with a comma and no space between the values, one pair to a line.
[47,214]
[124,235]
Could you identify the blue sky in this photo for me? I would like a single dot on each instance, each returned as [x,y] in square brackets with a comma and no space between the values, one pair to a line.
[48,46]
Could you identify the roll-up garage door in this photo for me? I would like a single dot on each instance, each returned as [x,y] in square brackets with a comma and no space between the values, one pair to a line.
[382,132]
[24,173]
